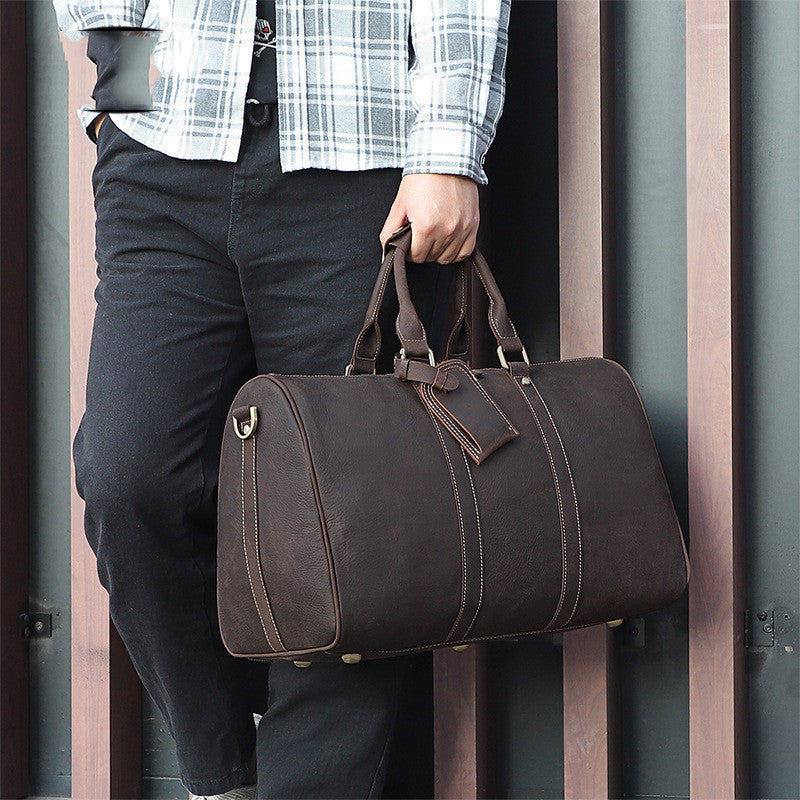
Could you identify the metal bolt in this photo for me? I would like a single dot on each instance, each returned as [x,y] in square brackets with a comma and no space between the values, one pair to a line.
[38,626]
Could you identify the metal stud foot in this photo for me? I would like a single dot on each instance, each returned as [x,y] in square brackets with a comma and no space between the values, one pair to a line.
[614,623]
[302,664]
[351,658]
[460,648]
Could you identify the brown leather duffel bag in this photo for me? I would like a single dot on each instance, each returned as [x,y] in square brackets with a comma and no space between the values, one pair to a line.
[368,515]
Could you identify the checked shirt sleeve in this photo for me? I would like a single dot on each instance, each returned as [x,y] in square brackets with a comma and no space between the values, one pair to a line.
[76,17]
[122,61]
[457,81]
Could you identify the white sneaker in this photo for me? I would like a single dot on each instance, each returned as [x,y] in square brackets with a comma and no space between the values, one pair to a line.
[239,793]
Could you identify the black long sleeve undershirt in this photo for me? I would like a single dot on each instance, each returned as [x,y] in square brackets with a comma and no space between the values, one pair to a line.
[123,69]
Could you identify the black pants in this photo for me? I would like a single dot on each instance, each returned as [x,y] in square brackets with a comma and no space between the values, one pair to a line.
[209,273]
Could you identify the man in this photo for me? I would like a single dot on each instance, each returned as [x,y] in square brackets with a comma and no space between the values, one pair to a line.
[238,216]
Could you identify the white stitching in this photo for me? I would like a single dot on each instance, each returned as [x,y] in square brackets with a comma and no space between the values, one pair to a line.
[460,526]
[462,310]
[473,447]
[480,542]
[491,638]
[462,532]
[260,574]
[383,285]
[246,558]
[560,509]
[370,375]
[408,338]
[459,365]
[379,300]
[474,640]
[274,378]
[491,308]
[575,496]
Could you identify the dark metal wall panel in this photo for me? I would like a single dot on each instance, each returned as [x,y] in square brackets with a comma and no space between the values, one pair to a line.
[771,317]
[159,759]
[522,165]
[650,271]
[48,254]
[527,723]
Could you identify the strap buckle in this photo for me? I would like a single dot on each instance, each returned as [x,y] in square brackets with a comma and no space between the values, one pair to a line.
[431,359]
[502,356]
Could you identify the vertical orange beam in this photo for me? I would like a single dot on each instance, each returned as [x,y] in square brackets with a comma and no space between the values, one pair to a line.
[717,678]
[585,81]
[106,712]
[460,723]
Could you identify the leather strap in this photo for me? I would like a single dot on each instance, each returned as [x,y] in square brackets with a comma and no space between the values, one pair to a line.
[409,328]
[409,369]
[457,345]
[471,414]
[250,535]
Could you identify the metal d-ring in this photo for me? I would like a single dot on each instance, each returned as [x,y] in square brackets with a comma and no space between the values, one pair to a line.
[247,429]
[348,370]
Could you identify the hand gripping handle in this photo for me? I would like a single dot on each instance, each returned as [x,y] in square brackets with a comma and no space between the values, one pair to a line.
[409,329]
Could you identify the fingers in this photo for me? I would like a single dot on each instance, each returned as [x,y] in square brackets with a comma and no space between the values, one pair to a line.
[444,214]
[393,223]
[458,249]
[443,247]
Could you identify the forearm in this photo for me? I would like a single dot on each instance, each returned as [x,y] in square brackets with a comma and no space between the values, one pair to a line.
[457,84]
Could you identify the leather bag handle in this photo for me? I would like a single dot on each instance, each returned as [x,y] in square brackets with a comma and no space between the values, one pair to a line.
[457,344]
[409,329]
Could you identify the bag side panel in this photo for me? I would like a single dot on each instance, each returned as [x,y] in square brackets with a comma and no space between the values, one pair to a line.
[293,555]
[631,556]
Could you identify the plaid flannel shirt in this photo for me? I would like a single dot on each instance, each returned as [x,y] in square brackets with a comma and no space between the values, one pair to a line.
[361,83]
